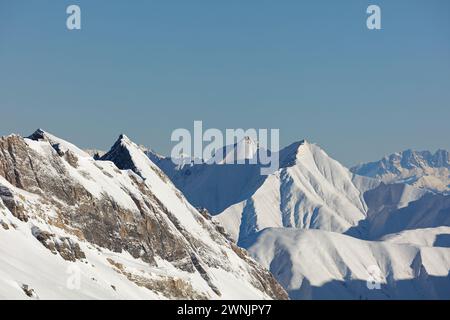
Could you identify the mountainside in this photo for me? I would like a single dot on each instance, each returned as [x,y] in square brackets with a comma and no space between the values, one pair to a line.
[418,168]
[418,212]
[118,224]
[315,264]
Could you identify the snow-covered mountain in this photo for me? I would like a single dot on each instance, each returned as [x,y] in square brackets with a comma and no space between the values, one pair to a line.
[119,226]
[75,227]
[309,191]
[309,223]
[421,169]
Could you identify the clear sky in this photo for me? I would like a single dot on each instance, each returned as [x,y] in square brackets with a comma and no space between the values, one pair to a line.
[310,68]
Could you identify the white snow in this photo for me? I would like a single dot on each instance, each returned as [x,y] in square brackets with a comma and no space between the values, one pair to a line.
[312,192]
[316,264]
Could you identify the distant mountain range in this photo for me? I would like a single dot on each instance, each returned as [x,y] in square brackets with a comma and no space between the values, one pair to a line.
[133,224]
[421,169]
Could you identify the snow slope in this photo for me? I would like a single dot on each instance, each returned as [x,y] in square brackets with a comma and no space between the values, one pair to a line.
[119,221]
[430,211]
[425,237]
[315,264]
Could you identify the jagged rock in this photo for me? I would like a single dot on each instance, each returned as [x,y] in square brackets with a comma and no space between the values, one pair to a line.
[4,225]
[66,247]
[13,206]
[29,291]
[169,286]
[71,158]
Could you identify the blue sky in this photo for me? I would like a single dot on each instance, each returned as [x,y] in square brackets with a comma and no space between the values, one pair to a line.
[310,68]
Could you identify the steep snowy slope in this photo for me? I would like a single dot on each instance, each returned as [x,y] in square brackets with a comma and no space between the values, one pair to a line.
[381,202]
[310,190]
[243,151]
[125,226]
[425,237]
[430,211]
[314,264]
[421,169]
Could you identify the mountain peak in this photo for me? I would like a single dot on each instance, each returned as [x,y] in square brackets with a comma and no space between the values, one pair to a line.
[288,155]
[124,137]
[127,155]
[244,149]
[60,145]
[122,143]
[39,134]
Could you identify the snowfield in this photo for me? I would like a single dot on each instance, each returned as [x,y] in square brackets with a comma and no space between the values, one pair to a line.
[315,264]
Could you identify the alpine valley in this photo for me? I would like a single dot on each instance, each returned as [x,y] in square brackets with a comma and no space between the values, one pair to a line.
[131,224]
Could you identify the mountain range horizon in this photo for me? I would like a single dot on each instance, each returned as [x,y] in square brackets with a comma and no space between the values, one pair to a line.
[436,151]
[318,227]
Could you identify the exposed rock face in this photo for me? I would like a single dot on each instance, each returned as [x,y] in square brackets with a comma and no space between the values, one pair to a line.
[169,286]
[29,291]
[66,247]
[122,204]
[4,225]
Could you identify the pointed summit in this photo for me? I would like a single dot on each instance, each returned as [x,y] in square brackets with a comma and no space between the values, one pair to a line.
[288,155]
[60,145]
[37,135]
[127,155]
[245,149]
[121,153]
[124,138]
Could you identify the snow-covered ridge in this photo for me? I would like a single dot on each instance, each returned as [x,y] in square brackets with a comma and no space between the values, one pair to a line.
[315,264]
